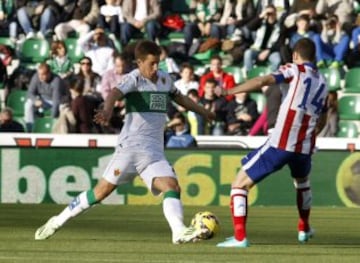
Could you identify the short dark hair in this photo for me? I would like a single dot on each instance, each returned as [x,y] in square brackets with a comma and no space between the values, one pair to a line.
[77,84]
[211,81]
[146,47]
[305,47]
[186,65]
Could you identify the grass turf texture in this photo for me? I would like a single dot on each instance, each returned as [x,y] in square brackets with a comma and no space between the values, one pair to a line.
[141,234]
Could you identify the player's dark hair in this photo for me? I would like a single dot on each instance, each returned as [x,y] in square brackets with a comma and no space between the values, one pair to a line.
[305,47]
[145,48]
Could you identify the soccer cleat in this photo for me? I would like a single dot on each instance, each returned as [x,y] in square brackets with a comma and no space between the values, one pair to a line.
[304,236]
[47,230]
[190,234]
[232,242]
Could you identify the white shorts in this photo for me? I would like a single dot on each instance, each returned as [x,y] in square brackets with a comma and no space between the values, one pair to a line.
[125,165]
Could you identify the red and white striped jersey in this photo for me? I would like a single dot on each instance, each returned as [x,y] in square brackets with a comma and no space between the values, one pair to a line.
[302,103]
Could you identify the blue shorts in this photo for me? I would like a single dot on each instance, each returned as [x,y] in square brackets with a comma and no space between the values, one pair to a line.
[265,160]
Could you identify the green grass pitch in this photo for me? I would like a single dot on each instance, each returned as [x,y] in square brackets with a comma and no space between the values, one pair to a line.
[141,234]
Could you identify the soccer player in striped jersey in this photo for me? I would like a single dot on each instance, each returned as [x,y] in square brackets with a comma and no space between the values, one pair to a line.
[301,116]
[140,145]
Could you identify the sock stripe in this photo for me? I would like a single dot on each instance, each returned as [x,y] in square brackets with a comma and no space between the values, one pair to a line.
[172,194]
[91,197]
[239,191]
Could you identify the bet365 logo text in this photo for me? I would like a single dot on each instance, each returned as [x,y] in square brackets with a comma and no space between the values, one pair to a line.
[58,175]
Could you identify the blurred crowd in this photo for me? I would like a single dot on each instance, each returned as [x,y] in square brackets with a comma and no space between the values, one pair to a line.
[242,34]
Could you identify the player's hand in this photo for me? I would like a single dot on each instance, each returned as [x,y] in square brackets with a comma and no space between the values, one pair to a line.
[102,117]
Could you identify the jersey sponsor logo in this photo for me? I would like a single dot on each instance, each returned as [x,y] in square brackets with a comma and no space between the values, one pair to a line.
[158,102]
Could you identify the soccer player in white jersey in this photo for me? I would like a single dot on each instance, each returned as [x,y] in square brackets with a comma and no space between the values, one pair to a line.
[140,145]
[300,118]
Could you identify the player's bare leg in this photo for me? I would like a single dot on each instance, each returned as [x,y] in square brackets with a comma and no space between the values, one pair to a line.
[79,204]
[304,201]
[239,208]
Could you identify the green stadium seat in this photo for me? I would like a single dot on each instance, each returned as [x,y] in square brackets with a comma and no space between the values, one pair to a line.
[258,71]
[332,77]
[74,50]
[34,50]
[348,129]
[236,72]
[352,81]
[349,107]
[43,125]
[260,100]
[16,101]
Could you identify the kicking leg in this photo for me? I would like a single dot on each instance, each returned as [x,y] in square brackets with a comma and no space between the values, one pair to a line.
[79,204]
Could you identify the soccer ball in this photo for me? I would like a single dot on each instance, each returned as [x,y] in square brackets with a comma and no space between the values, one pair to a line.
[208,221]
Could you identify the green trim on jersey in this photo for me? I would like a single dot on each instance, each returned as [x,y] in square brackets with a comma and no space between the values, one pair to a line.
[147,101]
[172,194]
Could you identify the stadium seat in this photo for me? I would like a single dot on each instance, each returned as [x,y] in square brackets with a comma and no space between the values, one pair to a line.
[352,81]
[349,107]
[34,50]
[258,71]
[16,101]
[43,125]
[20,119]
[236,72]
[348,129]
[260,100]
[74,50]
[332,77]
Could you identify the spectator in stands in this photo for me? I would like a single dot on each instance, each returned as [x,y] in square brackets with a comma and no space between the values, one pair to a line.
[265,47]
[301,8]
[168,64]
[31,13]
[222,78]
[302,30]
[332,118]
[7,123]
[95,45]
[140,16]
[80,107]
[353,57]
[187,80]
[8,24]
[241,114]
[203,14]
[92,84]
[215,104]
[343,9]
[46,91]
[59,62]
[111,17]
[236,14]
[332,44]
[79,16]
[196,121]
[113,76]
[177,134]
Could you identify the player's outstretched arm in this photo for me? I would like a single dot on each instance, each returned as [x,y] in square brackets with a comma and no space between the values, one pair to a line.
[250,85]
[103,116]
[192,106]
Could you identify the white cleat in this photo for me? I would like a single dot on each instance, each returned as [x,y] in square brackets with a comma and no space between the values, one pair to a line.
[190,234]
[47,230]
[304,236]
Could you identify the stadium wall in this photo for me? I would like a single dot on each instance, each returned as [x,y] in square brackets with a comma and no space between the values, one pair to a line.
[47,168]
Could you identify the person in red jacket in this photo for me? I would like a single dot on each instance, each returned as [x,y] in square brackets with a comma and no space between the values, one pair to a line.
[224,79]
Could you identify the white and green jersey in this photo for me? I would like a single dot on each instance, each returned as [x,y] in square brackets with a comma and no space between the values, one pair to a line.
[146,110]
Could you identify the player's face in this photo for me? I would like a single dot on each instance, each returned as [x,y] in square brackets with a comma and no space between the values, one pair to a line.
[149,66]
